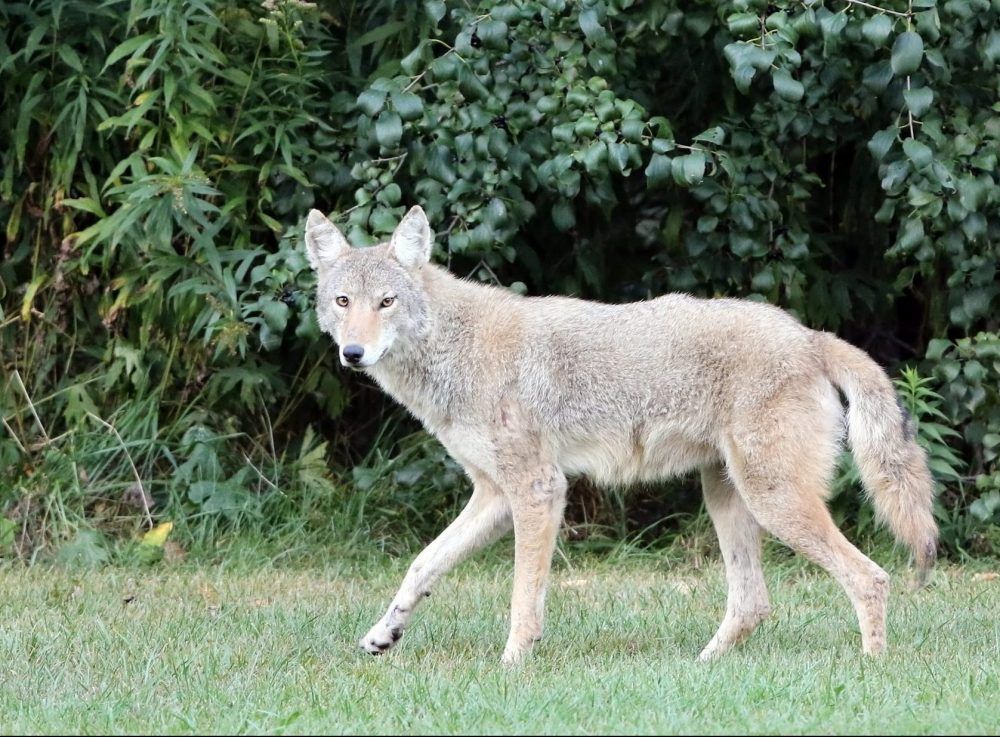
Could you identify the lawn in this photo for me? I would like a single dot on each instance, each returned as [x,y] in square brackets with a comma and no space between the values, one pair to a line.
[220,650]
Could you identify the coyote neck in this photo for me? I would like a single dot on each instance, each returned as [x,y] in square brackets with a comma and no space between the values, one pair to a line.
[428,375]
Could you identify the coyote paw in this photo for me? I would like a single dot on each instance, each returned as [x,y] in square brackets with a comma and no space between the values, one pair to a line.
[512,656]
[380,638]
[517,649]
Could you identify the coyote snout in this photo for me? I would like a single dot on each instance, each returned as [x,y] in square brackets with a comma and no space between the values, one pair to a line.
[352,354]
[364,334]
[524,392]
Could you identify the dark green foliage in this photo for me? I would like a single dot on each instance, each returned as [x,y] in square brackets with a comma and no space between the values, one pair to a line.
[158,157]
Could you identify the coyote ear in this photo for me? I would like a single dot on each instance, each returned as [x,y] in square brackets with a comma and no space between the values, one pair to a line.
[411,241]
[324,243]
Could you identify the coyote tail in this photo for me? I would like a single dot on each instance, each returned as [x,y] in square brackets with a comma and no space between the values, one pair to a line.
[893,467]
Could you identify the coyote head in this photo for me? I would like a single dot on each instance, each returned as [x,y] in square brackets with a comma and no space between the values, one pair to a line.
[369,299]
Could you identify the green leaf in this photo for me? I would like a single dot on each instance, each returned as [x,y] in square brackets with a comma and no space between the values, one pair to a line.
[619,155]
[439,165]
[371,101]
[741,245]
[275,315]
[563,216]
[972,193]
[907,51]
[936,348]
[86,550]
[585,127]
[715,135]
[881,142]
[135,46]
[70,58]
[742,76]
[632,130]
[493,34]
[663,145]
[444,67]
[690,169]
[877,76]
[877,29]
[941,469]
[595,156]
[383,220]
[388,129]
[390,195]
[412,62]
[787,87]
[8,530]
[563,132]
[833,23]
[408,105]
[435,9]
[86,204]
[743,24]
[918,100]
[917,152]
[547,104]
[591,25]
[984,507]
[911,236]
[658,170]
[381,33]
[991,49]
[758,58]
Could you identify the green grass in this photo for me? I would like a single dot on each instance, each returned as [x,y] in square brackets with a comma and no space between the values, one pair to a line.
[222,650]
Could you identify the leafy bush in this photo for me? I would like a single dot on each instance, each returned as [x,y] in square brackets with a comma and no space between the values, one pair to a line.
[836,158]
[969,372]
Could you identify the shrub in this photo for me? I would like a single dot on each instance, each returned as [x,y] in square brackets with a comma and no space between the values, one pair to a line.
[835,158]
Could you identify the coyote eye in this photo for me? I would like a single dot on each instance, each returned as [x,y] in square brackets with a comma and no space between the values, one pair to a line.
[343,301]
[387,302]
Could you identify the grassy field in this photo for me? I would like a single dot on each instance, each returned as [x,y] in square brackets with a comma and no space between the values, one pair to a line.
[218,650]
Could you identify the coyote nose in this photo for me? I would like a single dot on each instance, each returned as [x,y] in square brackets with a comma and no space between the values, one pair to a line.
[353,353]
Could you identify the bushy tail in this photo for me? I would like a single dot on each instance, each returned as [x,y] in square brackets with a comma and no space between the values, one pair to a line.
[893,467]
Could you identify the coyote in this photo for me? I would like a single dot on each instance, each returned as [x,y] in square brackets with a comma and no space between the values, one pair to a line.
[526,391]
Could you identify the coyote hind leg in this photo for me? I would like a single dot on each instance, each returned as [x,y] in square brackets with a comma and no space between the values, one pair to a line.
[781,462]
[739,541]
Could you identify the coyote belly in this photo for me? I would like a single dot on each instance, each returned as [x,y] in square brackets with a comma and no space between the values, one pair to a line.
[647,452]
[525,391]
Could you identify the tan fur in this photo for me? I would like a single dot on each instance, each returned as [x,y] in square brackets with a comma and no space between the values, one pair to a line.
[525,391]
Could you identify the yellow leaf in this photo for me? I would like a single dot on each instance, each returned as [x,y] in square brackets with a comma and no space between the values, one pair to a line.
[29,296]
[158,535]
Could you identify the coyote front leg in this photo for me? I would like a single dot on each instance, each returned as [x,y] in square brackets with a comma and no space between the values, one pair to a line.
[537,506]
[485,518]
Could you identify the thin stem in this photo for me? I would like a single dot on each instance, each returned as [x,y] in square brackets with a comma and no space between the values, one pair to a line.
[909,27]
[13,435]
[243,99]
[909,113]
[414,81]
[31,405]
[260,473]
[882,10]
[138,479]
